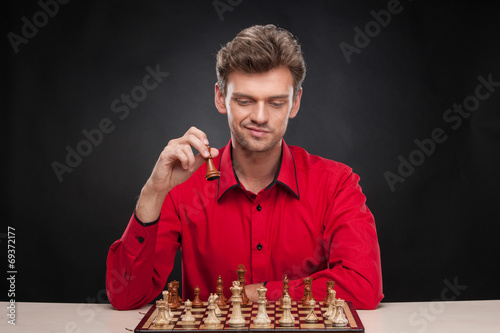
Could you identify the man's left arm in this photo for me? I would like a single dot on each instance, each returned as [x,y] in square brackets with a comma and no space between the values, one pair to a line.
[353,253]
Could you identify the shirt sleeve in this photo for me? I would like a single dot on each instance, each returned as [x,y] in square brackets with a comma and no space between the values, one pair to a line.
[139,263]
[353,253]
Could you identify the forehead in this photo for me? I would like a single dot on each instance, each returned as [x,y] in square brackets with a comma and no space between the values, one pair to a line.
[278,81]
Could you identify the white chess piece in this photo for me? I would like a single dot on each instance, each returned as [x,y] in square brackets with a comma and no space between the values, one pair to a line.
[331,307]
[218,311]
[211,321]
[311,316]
[237,319]
[161,319]
[188,316]
[287,318]
[339,319]
[262,319]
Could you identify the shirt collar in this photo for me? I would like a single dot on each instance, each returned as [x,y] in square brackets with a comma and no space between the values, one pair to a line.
[286,175]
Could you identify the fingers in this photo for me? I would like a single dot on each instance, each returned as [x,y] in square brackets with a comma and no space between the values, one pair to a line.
[180,149]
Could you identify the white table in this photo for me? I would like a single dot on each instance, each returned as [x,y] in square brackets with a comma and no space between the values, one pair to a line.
[418,317]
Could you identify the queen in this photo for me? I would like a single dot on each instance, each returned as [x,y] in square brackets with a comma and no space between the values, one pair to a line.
[237,319]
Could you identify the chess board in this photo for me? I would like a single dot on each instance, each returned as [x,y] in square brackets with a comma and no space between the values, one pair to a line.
[249,312]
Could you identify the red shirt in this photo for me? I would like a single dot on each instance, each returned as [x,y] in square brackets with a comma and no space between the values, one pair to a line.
[310,221]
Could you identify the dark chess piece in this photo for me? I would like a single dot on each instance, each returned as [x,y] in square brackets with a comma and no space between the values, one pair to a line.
[175,298]
[197,303]
[241,278]
[329,285]
[285,291]
[212,172]
[221,302]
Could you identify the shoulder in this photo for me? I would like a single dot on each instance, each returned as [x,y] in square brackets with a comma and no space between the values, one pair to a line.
[306,162]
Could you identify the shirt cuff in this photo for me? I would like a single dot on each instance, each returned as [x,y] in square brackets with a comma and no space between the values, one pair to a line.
[146,224]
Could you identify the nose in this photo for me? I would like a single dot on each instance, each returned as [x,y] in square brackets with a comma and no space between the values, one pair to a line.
[260,115]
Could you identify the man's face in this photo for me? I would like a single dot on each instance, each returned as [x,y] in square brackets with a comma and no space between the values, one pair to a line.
[258,107]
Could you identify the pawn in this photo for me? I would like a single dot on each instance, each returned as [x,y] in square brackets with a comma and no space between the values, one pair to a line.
[188,316]
[161,319]
[311,316]
[197,303]
[212,172]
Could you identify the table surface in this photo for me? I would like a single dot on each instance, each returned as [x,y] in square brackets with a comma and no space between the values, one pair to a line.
[420,317]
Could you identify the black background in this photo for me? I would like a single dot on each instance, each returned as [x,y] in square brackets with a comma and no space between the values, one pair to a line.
[439,227]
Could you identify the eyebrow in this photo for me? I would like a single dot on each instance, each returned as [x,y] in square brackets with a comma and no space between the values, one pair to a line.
[237,94]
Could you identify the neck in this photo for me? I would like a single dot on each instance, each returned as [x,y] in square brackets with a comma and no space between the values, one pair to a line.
[256,170]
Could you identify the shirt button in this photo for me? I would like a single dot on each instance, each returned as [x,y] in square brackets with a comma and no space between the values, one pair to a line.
[140,239]
[259,208]
[259,246]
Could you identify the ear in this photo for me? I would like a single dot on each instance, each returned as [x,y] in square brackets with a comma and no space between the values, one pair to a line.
[295,105]
[220,101]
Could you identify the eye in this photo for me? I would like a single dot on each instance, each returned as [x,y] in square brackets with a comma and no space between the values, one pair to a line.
[277,104]
[242,101]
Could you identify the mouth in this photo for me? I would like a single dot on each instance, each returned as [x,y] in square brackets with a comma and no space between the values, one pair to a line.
[257,132]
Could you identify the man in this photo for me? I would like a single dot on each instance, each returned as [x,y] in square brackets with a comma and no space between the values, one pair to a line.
[276,209]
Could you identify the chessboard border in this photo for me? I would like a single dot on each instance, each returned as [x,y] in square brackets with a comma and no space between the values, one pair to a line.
[360,328]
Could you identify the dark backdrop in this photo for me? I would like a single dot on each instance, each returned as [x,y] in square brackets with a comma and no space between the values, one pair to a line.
[386,101]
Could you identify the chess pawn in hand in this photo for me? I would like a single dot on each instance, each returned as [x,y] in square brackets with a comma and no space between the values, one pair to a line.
[212,172]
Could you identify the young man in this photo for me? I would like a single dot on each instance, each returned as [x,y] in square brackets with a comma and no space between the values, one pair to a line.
[276,209]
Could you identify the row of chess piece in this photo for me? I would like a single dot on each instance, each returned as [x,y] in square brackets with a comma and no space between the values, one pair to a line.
[334,312]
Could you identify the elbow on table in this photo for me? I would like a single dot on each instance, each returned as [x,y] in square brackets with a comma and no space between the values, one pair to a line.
[368,299]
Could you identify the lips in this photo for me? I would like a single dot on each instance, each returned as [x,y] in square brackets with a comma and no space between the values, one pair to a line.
[258,132]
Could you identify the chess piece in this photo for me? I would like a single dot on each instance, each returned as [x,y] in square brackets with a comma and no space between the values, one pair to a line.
[211,321]
[161,320]
[329,285]
[197,303]
[287,318]
[330,312]
[262,319]
[307,296]
[218,312]
[241,278]
[339,320]
[174,298]
[311,316]
[285,291]
[220,292]
[307,291]
[168,311]
[188,315]
[177,285]
[212,172]
[237,319]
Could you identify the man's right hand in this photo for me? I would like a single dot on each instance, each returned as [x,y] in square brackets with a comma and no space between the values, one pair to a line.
[174,166]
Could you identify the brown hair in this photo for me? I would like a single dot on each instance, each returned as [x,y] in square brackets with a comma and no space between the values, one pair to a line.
[259,49]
